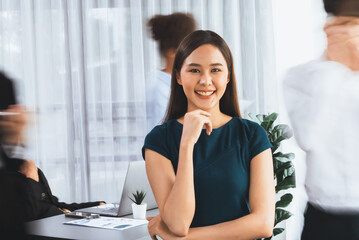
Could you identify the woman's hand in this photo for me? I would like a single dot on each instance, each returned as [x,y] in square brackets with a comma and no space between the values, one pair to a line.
[156,227]
[193,124]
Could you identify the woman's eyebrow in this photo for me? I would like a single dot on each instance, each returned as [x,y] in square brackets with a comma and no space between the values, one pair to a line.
[198,65]
[194,65]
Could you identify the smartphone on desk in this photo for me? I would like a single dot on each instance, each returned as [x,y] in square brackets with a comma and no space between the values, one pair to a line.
[82,215]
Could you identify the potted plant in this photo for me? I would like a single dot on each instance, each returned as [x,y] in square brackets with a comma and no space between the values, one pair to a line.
[138,207]
[284,172]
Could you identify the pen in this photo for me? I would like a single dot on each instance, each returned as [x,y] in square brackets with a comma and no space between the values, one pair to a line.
[8,113]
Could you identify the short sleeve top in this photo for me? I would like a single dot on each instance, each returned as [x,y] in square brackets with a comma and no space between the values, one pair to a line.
[221,165]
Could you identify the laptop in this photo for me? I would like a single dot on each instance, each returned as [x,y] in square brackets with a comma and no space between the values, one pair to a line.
[136,179]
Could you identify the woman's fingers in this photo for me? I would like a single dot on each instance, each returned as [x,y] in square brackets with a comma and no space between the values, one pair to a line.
[201,112]
[193,124]
[151,232]
[205,119]
[208,126]
[151,227]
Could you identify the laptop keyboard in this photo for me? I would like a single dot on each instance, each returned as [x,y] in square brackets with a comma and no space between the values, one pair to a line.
[112,210]
[107,209]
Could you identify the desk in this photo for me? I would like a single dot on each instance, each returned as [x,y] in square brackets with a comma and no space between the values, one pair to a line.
[53,228]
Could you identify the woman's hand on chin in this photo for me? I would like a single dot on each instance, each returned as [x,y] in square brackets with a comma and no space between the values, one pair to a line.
[193,124]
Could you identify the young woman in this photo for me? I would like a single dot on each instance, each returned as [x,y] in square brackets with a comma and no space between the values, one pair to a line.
[210,170]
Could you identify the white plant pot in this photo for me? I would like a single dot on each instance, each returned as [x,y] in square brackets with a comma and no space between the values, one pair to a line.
[139,211]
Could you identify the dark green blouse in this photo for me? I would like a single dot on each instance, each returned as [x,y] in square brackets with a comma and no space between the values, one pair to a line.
[221,165]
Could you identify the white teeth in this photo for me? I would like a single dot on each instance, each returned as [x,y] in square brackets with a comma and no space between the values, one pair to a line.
[204,93]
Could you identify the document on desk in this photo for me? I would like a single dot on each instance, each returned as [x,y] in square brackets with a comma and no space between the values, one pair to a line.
[108,223]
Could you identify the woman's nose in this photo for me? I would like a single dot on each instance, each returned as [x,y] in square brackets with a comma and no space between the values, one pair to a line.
[205,79]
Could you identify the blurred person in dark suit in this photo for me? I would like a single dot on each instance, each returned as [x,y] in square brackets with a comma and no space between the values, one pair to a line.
[323,105]
[12,183]
[25,194]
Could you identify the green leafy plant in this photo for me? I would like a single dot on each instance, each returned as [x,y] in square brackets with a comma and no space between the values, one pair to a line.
[138,197]
[284,172]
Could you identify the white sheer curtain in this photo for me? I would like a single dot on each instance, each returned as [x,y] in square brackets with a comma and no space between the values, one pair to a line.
[82,65]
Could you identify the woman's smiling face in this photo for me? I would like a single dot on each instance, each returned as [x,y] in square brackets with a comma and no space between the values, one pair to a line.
[204,77]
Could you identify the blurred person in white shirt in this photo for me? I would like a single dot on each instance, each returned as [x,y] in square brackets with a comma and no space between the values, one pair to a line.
[168,31]
[322,100]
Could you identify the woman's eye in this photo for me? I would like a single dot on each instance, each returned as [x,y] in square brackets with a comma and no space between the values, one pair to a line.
[215,70]
[194,70]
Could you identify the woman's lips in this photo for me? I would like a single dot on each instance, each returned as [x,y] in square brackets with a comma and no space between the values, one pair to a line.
[205,94]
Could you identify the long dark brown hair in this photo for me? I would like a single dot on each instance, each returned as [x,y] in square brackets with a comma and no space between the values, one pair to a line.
[177,106]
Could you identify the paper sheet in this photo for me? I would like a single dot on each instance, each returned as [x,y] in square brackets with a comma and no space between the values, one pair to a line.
[108,223]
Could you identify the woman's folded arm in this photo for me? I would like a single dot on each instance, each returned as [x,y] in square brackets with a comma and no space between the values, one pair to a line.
[174,193]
